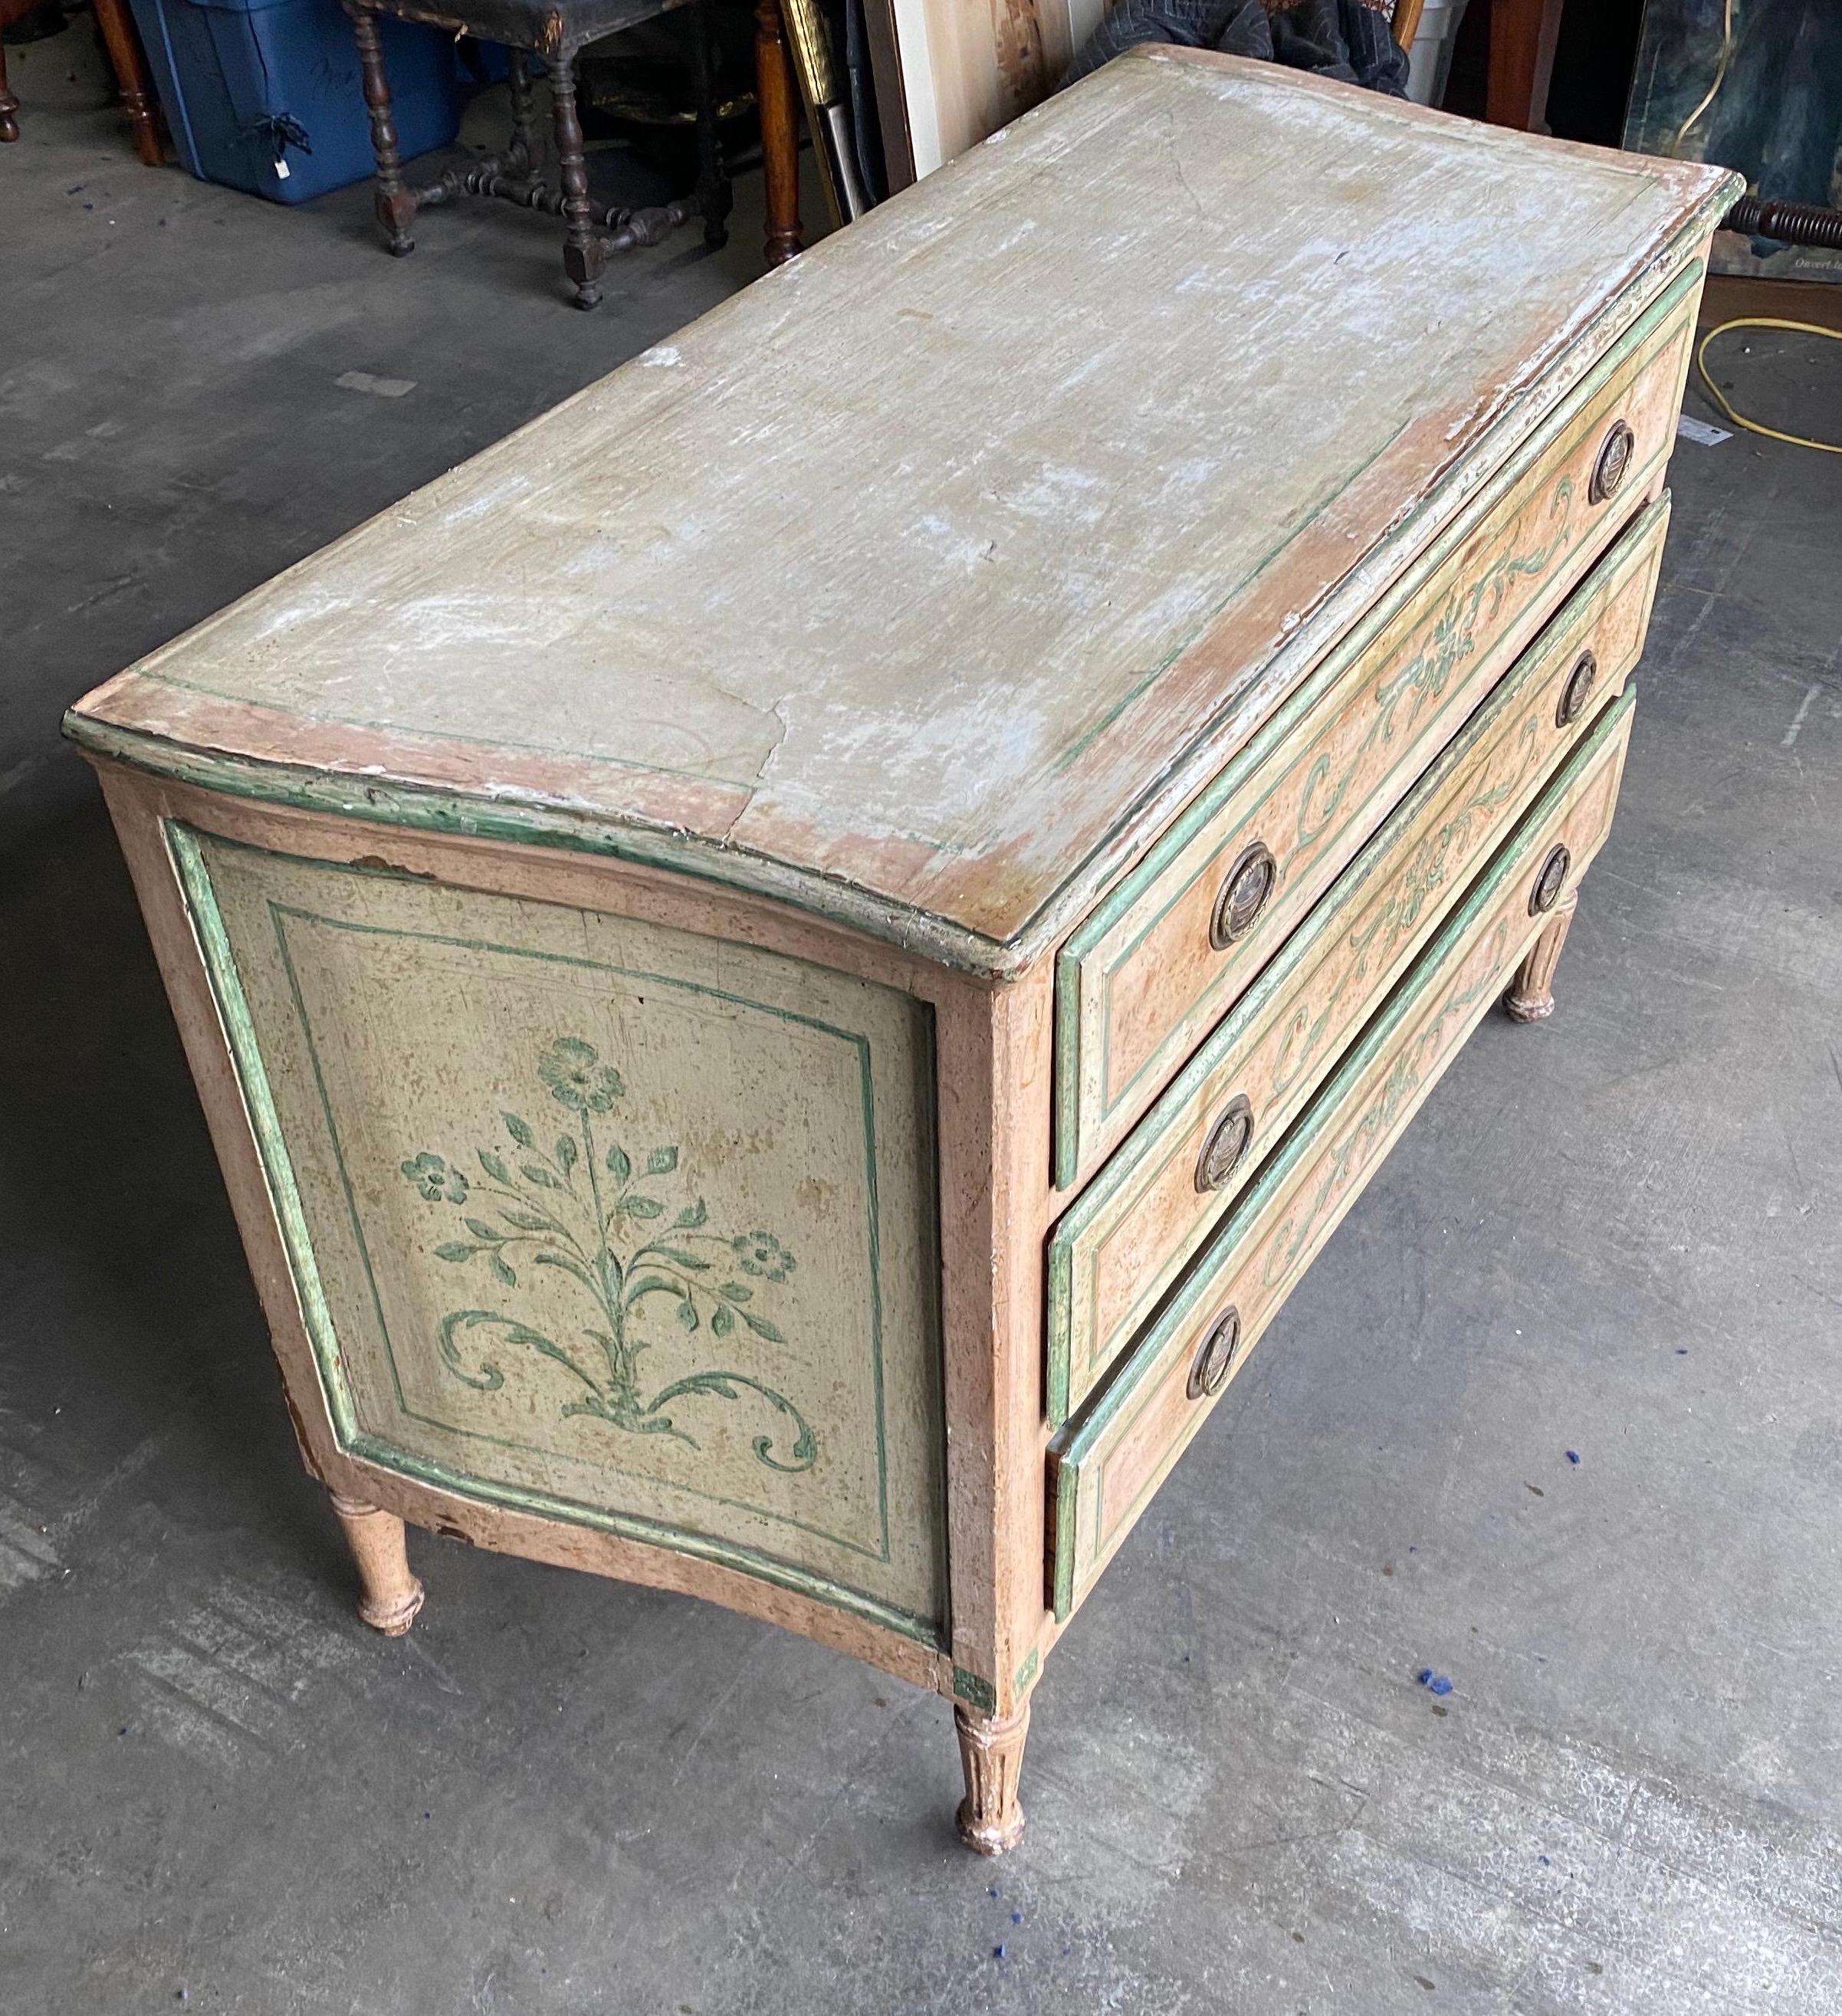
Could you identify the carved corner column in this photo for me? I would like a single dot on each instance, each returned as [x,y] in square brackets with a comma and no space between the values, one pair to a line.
[388,1595]
[779,106]
[991,1816]
[1530,998]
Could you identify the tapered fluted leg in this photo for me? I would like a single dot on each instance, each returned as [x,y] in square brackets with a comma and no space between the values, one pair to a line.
[130,78]
[388,1595]
[1530,998]
[584,255]
[395,203]
[991,1750]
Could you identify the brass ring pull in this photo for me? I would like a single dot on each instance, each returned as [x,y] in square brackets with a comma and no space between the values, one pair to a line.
[1228,1141]
[1244,890]
[1550,882]
[1215,1356]
[1613,464]
[1578,689]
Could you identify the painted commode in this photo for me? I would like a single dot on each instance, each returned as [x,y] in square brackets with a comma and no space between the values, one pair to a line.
[787,966]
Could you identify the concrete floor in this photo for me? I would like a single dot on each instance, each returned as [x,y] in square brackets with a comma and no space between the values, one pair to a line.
[1615,1233]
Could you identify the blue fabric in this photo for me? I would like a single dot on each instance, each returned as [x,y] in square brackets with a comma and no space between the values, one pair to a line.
[1339,38]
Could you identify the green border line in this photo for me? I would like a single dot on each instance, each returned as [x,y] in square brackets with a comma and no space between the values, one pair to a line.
[976,1693]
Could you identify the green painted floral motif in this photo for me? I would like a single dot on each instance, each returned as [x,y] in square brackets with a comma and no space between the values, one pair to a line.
[1425,676]
[1346,1157]
[1428,869]
[762,1255]
[433,1177]
[585,1209]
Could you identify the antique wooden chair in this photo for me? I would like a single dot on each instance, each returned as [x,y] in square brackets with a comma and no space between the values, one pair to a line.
[1404,21]
[556,30]
[124,57]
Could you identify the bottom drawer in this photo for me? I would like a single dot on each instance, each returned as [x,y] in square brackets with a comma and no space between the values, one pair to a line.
[1104,1468]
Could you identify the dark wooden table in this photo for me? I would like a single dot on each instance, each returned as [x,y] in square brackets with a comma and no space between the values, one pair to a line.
[124,46]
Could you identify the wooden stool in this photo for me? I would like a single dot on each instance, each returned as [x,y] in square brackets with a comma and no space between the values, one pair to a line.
[124,57]
[557,30]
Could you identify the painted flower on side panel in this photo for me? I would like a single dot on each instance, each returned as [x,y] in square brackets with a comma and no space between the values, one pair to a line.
[587,1208]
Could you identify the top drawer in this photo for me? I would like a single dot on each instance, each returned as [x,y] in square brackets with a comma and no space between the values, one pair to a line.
[1141,982]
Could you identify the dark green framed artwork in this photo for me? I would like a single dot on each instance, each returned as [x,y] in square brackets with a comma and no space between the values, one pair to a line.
[1754,85]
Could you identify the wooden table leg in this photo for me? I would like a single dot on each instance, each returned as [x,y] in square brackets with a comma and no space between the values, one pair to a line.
[584,251]
[1530,998]
[131,76]
[713,197]
[775,97]
[9,105]
[1523,33]
[526,149]
[393,202]
[388,1595]
[991,1753]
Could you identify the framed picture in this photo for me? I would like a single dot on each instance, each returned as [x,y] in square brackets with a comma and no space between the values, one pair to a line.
[1755,85]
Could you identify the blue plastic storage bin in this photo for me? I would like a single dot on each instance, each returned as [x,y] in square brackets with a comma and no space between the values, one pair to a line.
[236,78]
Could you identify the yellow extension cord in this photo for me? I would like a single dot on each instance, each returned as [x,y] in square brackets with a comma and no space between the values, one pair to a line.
[1720,398]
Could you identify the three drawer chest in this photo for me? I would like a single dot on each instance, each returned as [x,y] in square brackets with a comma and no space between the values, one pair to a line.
[788,966]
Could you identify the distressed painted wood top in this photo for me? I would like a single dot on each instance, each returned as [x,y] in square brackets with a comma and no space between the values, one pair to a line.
[920,582]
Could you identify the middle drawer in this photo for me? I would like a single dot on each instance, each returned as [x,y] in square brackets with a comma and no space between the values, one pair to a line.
[1117,1248]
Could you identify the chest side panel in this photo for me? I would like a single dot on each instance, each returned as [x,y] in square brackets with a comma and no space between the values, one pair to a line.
[600,1220]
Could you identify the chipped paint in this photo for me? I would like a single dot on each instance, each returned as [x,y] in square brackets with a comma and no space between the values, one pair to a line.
[933,634]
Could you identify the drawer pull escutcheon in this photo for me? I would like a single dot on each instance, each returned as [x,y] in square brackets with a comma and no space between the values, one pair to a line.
[1578,689]
[1227,1142]
[1244,891]
[1550,882]
[1613,463]
[1215,1355]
